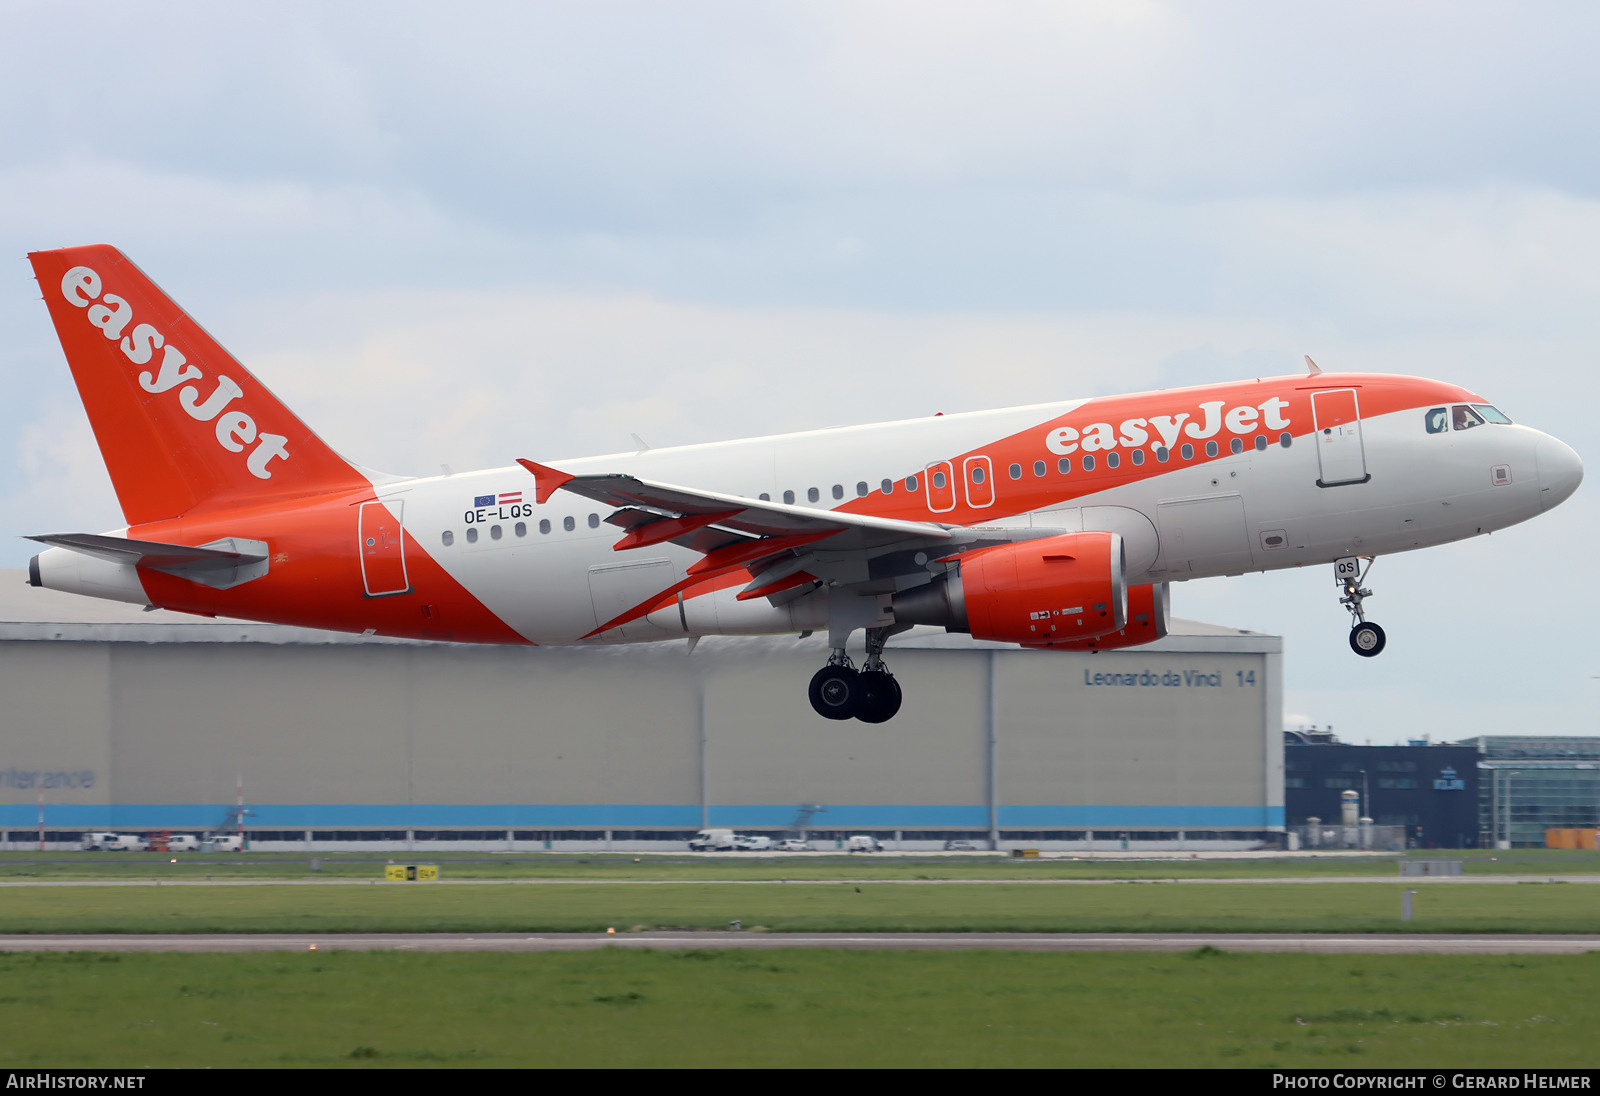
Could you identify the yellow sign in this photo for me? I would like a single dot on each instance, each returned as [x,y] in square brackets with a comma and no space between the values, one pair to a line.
[421,873]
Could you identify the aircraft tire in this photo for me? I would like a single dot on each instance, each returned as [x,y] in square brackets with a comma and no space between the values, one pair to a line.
[835,692]
[880,696]
[1367,639]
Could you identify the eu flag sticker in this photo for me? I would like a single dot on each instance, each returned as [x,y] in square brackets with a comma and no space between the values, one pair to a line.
[482,500]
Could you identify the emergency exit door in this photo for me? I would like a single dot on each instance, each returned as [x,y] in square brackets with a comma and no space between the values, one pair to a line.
[1341,456]
[383,549]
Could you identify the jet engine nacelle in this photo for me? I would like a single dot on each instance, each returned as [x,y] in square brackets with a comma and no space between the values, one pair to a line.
[1040,593]
[1147,621]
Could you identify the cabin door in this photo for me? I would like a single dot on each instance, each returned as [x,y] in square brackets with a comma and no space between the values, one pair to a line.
[383,548]
[1341,457]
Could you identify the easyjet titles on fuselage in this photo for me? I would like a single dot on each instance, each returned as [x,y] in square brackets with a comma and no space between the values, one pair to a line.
[82,285]
[1134,433]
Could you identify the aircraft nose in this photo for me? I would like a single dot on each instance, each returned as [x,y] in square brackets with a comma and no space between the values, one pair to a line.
[1560,472]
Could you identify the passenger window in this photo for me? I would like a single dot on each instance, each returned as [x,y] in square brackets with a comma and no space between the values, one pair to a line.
[594,521]
[1463,417]
[1211,448]
[911,483]
[569,523]
[522,529]
[812,494]
[449,538]
[494,532]
[764,497]
[1038,467]
[861,490]
[1437,420]
[1162,454]
[472,534]
[1113,459]
[1137,456]
[1261,443]
[887,487]
[788,498]
[938,480]
[1015,471]
[1237,445]
[1187,452]
[977,473]
[1064,465]
[1286,439]
[1088,463]
[544,526]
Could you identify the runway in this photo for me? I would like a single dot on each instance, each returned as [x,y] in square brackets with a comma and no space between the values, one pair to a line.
[1324,943]
[1406,880]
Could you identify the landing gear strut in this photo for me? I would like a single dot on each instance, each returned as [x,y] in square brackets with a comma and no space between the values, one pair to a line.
[1366,638]
[870,694]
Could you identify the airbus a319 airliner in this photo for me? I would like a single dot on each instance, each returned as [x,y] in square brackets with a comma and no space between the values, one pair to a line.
[1058,525]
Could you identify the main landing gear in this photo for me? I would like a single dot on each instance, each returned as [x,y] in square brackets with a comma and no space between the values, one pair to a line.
[1366,638]
[870,694]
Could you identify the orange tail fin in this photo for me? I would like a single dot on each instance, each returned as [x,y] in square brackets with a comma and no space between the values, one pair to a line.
[179,421]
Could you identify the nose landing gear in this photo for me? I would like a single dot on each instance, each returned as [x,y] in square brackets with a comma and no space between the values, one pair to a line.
[1366,638]
[870,694]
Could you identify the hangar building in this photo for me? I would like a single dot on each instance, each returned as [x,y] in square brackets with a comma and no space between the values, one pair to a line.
[118,719]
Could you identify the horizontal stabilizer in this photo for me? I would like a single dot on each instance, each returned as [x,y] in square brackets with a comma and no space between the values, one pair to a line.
[220,564]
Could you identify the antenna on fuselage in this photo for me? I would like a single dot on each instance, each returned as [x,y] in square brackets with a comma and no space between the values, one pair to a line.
[1312,367]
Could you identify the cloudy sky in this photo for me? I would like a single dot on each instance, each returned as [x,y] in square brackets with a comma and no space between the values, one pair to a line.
[465,233]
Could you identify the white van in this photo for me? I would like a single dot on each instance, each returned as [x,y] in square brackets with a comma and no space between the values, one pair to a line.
[223,842]
[709,840]
[751,844]
[115,842]
[862,842]
[183,842]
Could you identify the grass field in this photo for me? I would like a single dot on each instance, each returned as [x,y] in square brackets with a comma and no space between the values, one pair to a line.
[803,907]
[796,1008]
[57,865]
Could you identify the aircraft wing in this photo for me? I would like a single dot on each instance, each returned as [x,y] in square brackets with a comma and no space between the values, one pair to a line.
[750,517]
[788,550]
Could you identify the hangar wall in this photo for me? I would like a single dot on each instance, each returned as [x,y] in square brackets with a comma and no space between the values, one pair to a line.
[154,724]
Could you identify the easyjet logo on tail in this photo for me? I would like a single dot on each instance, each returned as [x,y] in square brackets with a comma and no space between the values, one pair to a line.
[235,430]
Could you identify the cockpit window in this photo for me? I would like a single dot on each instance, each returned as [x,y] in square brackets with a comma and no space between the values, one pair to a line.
[1493,414]
[1438,420]
[1463,417]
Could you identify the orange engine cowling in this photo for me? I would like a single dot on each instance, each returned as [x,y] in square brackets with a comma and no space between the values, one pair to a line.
[1147,622]
[1040,593]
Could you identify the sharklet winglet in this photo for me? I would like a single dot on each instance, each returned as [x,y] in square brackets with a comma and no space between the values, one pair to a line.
[546,480]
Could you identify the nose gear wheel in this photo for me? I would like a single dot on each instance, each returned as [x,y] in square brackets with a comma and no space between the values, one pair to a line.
[1367,639]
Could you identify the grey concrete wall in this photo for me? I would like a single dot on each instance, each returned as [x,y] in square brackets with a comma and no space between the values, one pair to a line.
[1072,732]
[352,724]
